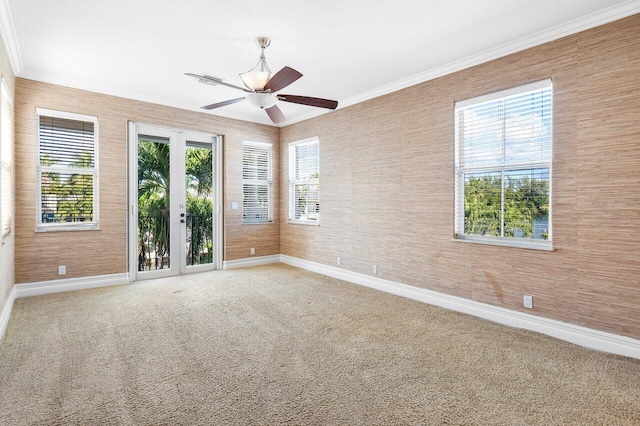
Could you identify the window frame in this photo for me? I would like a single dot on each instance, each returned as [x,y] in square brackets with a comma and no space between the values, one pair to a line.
[259,182]
[293,182]
[66,226]
[460,172]
[6,149]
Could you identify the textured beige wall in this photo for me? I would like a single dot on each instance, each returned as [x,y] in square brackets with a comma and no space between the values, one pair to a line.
[387,187]
[90,253]
[7,247]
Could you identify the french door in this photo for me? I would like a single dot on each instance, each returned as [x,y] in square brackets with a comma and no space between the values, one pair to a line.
[175,197]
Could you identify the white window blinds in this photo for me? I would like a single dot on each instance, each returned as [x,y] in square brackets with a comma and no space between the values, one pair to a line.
[257,182]
[503,164]
[304,181]
[67,169]
[6,159]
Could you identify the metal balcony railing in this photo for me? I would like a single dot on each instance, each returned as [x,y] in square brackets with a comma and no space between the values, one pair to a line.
[154,241]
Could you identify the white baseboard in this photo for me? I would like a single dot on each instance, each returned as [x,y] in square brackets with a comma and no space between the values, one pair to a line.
[5,314]
[250,261]
[69,284]
[583,336]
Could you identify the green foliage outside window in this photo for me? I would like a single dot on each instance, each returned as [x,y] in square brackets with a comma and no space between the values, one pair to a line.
[524,214]
[67,197]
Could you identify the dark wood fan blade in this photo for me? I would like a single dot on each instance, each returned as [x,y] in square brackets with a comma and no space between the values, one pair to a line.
[306,100]
[275,114]
[282,79]
[223,103]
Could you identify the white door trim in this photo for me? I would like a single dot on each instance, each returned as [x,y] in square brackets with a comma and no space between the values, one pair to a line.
[176,136]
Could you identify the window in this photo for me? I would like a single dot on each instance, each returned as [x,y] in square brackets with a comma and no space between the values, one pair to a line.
[304,181]
[6,159]
[257,182]
[503,167]
[67,172]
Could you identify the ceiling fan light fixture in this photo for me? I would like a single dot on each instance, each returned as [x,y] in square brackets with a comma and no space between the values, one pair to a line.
[256,78]
[262,100]
[263,90]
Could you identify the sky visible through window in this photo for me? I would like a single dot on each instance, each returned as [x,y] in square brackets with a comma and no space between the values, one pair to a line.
[508,131]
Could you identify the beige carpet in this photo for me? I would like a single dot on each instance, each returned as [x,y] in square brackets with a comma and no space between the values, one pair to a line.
[278,345]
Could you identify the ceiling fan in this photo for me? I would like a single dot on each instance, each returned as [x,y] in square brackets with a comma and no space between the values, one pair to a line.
[261,87]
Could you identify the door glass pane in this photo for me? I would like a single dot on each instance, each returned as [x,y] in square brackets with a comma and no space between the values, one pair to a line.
[153,203]
[199,205]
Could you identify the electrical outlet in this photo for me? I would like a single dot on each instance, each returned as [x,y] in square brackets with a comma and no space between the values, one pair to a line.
[527,301]
[253,250]
[338,261]
[62,270]
[374,269]
[234,206]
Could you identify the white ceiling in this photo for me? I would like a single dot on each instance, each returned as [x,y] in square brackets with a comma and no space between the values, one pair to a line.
[348,50]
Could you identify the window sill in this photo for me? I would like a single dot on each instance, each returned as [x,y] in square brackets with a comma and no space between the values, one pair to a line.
[304,222]
[266,222]
[68,228]
[543,245]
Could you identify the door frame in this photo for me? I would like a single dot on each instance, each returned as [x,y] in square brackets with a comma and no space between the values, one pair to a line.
[177,136]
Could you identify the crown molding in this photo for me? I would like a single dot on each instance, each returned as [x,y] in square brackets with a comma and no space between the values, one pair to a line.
[9,38]
[595,19]
[592,20]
